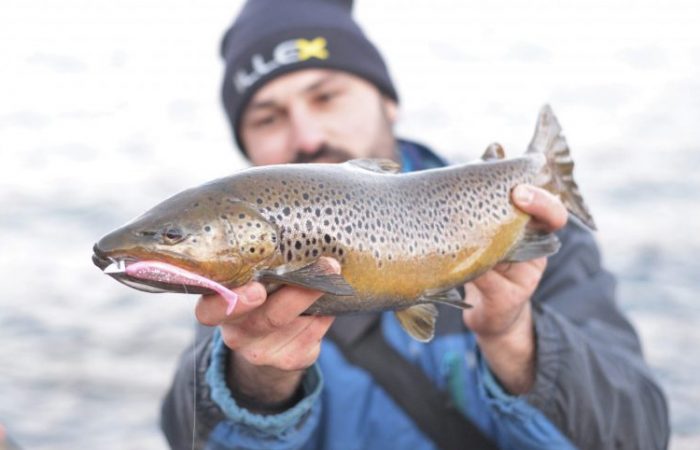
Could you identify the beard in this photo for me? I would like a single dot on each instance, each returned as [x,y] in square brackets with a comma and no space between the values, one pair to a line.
[325,153]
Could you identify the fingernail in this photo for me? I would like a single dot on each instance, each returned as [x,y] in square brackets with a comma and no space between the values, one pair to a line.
[523,194]
[252,294]
[332,264]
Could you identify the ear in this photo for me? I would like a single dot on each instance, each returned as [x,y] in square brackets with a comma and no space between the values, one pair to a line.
[391,109]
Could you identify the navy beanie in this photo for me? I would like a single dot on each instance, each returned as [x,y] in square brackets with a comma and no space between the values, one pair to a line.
[273,37]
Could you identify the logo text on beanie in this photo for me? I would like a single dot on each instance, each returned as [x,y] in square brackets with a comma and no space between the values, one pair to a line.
[284,53]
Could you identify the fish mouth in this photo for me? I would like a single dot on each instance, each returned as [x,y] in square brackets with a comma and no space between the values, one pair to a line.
[115,267]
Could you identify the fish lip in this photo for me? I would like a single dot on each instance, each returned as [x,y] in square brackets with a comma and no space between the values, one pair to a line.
[103,261]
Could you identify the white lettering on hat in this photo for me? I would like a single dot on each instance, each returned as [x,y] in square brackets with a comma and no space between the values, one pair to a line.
[286,52]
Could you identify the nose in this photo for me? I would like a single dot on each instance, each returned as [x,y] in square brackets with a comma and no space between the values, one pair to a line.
[307,131]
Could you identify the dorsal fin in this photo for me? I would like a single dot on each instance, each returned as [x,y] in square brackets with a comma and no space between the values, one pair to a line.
[377,165]
[493,151]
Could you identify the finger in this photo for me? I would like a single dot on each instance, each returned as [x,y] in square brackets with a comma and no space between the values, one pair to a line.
[211,309]
[283,306]
[514,271]
[547,211]
[512,278]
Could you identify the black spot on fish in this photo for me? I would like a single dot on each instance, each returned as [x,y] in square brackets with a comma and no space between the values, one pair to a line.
[286,211]
[327,238]
[241,216]
[207,228]
[289,255]
[297,245]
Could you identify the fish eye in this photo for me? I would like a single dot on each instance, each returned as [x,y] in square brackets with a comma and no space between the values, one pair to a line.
[172,235]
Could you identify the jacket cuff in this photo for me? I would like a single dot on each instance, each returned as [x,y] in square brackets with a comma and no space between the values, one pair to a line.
[274,424]
[498,398]
[548,342]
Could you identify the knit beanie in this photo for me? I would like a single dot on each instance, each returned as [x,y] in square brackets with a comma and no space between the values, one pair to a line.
[273,37]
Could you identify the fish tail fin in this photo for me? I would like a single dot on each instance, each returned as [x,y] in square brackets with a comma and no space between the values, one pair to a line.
[557,174]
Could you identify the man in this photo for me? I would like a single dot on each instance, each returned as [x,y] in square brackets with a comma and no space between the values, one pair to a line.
[543,360]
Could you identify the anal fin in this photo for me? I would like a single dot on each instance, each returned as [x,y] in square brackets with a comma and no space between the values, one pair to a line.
[534,244]
[312,276]
[419,321]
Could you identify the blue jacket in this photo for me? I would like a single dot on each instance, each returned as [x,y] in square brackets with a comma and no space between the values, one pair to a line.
[592,388]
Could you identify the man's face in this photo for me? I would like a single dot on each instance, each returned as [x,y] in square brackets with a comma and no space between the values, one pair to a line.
[318,115]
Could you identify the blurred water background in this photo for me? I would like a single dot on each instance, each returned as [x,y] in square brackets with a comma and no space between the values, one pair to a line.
[107,107]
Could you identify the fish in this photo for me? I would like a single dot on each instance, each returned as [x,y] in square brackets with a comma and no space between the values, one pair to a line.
[405,241]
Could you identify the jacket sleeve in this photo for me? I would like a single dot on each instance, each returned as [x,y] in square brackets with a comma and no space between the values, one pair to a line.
[591,379]
[199,410]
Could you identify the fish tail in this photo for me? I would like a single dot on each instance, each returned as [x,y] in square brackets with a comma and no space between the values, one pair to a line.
[557,174]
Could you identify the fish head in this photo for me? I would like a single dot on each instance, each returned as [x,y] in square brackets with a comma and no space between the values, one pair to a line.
[217,237]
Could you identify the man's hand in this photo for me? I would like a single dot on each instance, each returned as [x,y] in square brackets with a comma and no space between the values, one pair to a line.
[272,343]
[501,317]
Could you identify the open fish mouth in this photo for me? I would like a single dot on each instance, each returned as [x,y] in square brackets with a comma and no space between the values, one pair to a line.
[157,276]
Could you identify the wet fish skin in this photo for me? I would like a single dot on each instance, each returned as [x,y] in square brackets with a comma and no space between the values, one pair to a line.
[404,241]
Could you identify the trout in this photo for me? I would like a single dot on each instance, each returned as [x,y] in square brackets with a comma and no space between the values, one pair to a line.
[405,241]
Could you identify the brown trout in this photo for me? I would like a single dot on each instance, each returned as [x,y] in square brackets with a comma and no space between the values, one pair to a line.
[404,241]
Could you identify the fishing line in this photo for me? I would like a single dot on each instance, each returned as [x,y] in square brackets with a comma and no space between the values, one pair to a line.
[194,373]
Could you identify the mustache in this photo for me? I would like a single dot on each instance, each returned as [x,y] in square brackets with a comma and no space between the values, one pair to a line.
[324,152]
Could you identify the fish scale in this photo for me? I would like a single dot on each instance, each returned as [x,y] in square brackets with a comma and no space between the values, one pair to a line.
[404,241]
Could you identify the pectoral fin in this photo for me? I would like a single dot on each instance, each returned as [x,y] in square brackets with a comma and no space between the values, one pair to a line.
[418,321]
[533,245]
[313,276]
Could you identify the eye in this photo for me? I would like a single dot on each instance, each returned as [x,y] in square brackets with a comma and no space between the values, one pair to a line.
[325,97]
[264,121]
[172,235]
